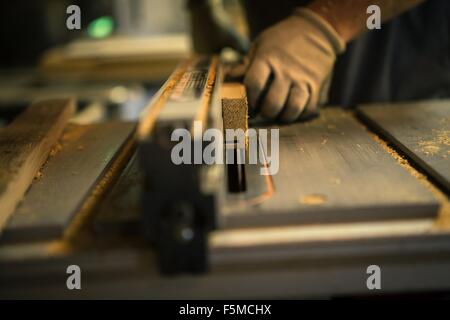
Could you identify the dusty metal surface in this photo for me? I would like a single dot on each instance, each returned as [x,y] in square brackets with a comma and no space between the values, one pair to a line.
[421,130]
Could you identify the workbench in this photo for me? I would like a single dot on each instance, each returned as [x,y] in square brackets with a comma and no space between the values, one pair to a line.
[398,217]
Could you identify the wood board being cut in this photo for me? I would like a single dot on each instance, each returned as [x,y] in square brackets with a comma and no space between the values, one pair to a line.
[332,170]
[85,154]
[421,130]
[25,145]
[234,106]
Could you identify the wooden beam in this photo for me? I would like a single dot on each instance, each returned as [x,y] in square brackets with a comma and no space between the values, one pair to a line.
[24,147]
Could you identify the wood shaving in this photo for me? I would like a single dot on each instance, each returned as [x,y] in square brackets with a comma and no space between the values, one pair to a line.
[313,199]
[443,219]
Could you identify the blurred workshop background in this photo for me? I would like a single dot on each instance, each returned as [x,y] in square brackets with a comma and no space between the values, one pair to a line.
[122,54]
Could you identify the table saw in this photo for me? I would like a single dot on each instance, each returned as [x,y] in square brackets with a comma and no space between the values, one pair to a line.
[353,189]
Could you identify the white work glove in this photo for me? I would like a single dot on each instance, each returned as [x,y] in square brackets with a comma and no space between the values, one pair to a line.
[290,66]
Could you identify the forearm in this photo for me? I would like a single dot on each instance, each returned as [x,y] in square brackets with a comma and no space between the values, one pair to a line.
[348,17]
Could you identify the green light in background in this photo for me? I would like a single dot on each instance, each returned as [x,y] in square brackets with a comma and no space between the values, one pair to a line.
[101,27]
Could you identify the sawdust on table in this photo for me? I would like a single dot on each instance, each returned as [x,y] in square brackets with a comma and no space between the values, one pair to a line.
[68,132]
[73,132]
[313,199]
[56,149]
[443,219]
[77,232]
[441,139]
[38,175]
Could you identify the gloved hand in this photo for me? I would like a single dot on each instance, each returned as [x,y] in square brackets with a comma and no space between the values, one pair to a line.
[290,66]
[212,29]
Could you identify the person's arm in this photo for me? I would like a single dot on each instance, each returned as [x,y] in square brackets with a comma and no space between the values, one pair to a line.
[290,64]
[348,17]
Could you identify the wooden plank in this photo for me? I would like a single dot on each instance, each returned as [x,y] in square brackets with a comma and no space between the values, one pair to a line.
[234,106]
[70,175]
[332,170]
[421,130]
[25,145]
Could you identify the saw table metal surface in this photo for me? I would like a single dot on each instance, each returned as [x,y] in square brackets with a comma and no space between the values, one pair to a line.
[140,225]
[421,130]
[332,170]
[309,260]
